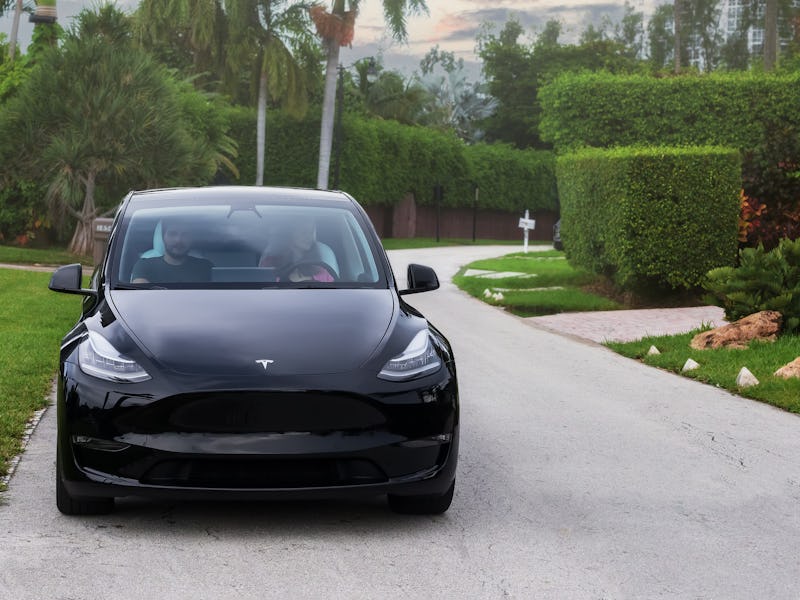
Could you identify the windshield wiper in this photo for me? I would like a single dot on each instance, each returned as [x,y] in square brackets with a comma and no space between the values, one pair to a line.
[137,286]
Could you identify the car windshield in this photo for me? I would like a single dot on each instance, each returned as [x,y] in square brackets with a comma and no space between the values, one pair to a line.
[224,243]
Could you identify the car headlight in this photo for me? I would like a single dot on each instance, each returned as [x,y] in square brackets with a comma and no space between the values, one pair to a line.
[418,359]
[97,357]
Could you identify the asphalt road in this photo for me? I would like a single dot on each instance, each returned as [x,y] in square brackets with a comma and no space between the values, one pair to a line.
[582,475]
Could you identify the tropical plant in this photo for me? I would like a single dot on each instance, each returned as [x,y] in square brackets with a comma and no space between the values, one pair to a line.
[456,103]
[336,27]
[764,280]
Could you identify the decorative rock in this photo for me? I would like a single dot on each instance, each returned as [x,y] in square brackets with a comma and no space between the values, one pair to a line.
[764,325]
[498,296]
[690,365]
[746,379]
[653,350]
[487,293]
[790,370]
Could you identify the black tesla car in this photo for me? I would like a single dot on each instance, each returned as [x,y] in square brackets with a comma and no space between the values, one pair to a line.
[251,343]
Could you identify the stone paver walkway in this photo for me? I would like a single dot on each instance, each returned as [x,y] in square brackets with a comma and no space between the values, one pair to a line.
[629,325]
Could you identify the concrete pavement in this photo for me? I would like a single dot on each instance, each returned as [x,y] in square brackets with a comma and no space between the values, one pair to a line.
[597,326]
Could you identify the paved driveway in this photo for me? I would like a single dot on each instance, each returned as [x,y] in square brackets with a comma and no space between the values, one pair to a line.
[582,475]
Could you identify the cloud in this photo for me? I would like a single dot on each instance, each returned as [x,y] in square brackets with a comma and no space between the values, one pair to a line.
[465,25]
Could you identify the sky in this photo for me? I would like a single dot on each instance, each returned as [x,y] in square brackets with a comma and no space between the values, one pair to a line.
[452,24]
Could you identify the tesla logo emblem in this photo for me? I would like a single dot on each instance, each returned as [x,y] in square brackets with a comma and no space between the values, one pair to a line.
[264,362]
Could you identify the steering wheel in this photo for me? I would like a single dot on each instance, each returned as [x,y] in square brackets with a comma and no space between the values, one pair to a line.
[307,268]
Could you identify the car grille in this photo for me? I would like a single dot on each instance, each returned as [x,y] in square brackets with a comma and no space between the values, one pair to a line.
[263,473]
[252,412]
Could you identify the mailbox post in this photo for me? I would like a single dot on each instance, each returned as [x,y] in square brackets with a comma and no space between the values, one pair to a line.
[526,224]
[101,229]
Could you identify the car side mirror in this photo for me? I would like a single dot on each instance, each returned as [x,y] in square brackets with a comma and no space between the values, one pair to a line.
[420,279]
[67,279]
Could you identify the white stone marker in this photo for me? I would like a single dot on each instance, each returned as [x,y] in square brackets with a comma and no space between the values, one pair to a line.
[746,379]
[653,350]
[690,365]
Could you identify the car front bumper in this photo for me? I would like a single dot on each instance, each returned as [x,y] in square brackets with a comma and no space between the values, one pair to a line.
[244,443]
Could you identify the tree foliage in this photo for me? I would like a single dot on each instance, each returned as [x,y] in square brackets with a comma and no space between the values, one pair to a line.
[516,71]
[96,114]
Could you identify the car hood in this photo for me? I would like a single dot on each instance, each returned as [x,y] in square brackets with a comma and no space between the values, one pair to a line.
[250,332]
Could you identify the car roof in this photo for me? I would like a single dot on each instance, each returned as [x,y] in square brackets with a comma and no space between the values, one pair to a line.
[243,193]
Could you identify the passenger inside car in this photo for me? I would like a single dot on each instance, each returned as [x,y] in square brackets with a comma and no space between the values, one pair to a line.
[298,256]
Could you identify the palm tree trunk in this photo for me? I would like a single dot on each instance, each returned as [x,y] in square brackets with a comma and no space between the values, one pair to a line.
[261,127]
[12,44]
[328,110]
[81,242]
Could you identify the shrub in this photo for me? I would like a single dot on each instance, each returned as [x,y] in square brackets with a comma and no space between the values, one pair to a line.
[764,280]
[650,216]
[23,214]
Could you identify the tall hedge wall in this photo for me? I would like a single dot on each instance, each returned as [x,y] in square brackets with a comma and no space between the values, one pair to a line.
[662,216]
[514,179]
[603,110]
[381,161]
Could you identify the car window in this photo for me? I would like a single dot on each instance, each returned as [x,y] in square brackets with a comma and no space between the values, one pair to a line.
[244,245]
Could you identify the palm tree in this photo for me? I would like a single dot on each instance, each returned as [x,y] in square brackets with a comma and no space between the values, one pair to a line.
[19,6]
[185,34]
[336,30]
[272,36]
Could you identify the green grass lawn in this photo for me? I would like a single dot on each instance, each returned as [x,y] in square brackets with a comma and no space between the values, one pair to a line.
[720,367]
[16,255]
[407,243]
[32,322]
[550,284]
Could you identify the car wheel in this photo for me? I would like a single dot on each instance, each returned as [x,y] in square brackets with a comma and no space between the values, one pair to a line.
[422,505]
[69,505]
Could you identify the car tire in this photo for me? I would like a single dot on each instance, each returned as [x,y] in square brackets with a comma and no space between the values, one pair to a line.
[422,505]
[69,505]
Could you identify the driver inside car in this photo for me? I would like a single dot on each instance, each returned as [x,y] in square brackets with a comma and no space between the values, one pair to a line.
[175,265]
[299,259]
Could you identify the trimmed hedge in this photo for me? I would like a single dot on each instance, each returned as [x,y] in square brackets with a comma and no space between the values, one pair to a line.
[730,109]
[512,179]
[650,216]
[382,161]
